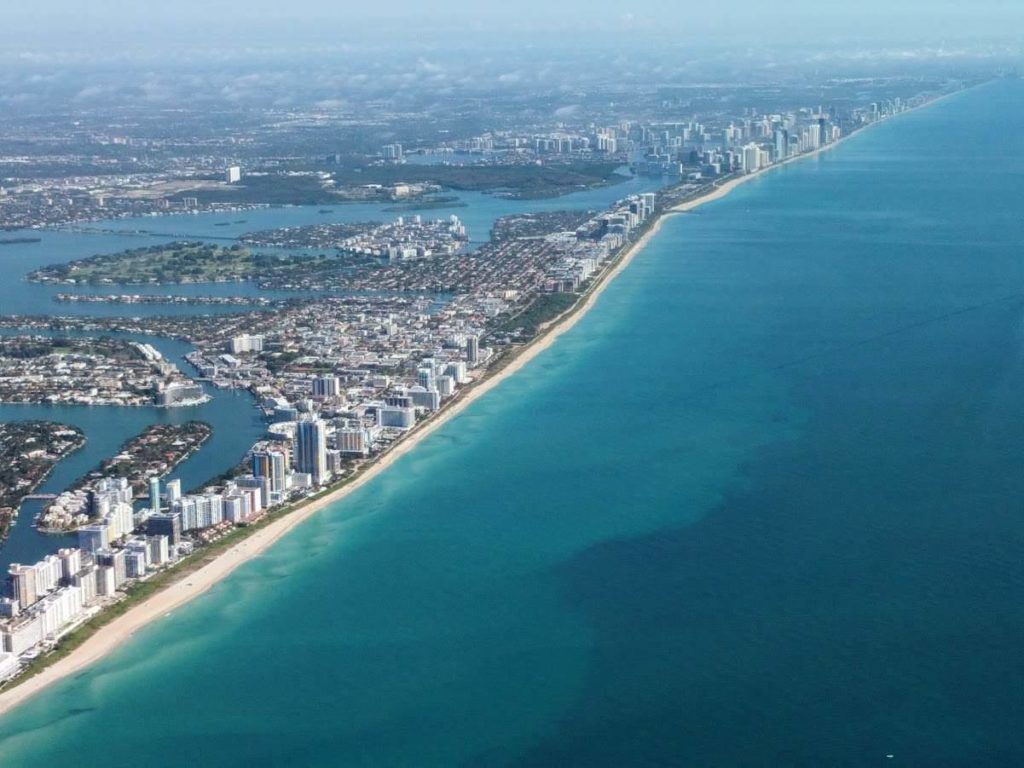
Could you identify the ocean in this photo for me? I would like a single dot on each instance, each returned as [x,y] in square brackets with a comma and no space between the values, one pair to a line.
[762,506]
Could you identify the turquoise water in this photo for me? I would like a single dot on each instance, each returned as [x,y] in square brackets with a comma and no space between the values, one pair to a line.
[237,425]
[761,506]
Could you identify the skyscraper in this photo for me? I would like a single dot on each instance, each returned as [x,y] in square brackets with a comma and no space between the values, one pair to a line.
[353,440]
[781,144]
[173,490]
[425,377]
[154,494]
[311,449]
[23,584]
[273,465]
[472,350]
[751,158]
[326,386]
[165,524]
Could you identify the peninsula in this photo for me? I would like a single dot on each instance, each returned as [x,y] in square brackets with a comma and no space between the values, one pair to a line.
[152,454]
[89,371]
[29,450]
[517,299]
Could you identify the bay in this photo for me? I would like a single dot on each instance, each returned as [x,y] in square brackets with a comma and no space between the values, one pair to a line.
[236,423]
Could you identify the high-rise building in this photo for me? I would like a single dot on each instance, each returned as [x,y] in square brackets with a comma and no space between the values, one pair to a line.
[252,491]
[85,580]
[179,392]
[781,144]
[93,537]
[59,609]
[9,609]
[165,524]
[751,158]
[116,559]
[48,574]
[425,398]
[23,584]
[136,558]
[8,665]
[649,200]
[353,441]
[425,377]
[326,386]
[119,520]
[473,349]
[234,509]
[22,634]
[233,174]
[271,463]
[199,511]
[398,416]
[70,563]
[399,399]
[173,492]
[108,492]
[154,494]
[446,385]
[814,136]
[458,372]
[106,580]
[311,449]
[159,549]
[392,152]
[245,343]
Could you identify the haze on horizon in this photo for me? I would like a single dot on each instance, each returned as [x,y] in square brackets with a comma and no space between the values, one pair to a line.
[58,25]
[93,53]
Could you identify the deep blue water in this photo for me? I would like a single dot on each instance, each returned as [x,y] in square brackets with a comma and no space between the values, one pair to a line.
[762,506]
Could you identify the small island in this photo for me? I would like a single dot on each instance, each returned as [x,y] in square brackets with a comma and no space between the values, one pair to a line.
[29,450]
[309,236]
[173,263]
[154,453]
[189,263]
[360,251]
[198,301]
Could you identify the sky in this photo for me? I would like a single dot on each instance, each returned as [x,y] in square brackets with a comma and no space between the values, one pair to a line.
[57,24]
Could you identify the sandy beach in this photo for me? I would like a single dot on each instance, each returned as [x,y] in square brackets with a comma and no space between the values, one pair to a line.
[191,585]
[722,190]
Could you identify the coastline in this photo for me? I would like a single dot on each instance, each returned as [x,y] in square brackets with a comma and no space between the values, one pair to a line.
[189,585]
[7,523]
[718,192]
[192,585]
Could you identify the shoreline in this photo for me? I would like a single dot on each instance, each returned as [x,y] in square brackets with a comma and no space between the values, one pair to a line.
[718,192]
[190,585]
